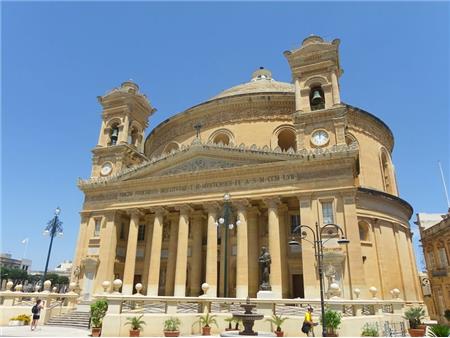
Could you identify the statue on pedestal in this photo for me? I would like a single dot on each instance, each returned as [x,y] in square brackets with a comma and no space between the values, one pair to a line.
[264,261]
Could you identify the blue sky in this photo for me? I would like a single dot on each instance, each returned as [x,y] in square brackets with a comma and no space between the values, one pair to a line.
[58,57]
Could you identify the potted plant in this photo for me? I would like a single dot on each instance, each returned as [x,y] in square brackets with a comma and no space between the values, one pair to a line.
[333,320]
[370,330]
[171,327]
[414,315]
[136,324]
[439,330]
[277,321]
[98,311]
[206,321]
[15,321]
[230,322]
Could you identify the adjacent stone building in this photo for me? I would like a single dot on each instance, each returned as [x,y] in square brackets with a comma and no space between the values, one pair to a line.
[283,154]
[435,238]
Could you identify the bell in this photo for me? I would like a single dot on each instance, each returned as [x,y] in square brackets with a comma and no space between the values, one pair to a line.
[115,132]
[316,98]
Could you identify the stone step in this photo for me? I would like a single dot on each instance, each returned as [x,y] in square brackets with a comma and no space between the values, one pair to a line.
[72,319]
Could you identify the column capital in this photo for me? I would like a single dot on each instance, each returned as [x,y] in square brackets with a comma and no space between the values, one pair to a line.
[135,212]
[242,205]
[211,207]
[272,202]
[159,211]
[184,209]
[252,210]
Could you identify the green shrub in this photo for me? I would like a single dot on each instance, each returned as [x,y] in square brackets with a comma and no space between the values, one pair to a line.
[370,330]
[333,320]
[98,311]
[172,324]
[440,330]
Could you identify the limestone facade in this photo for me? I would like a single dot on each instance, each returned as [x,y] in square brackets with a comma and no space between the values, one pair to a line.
[435,238]
[287,154]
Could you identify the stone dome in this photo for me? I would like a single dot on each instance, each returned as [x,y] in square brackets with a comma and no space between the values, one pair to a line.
[261,82]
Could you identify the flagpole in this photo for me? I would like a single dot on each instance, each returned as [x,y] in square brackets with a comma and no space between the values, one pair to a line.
[443,182]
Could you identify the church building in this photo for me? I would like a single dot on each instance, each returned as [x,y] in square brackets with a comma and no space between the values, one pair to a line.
[197,199]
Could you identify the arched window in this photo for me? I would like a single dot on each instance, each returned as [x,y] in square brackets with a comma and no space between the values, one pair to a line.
[221,138]
[349,139]
[388,182]
[287,139]
[316,98]
[363,231]
[114,134]
[170,147]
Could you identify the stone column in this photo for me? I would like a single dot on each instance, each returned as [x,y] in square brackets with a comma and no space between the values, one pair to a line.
[155,256]
[196,258]
[149,219]
[123,134]
[171,260]
[130,259]
[253,250]
[308,216]
[107,252]
[211,250]
[335,88]
[182,251]
[283,209]
[82,240]
[242,251]
[274,246]
[354,254]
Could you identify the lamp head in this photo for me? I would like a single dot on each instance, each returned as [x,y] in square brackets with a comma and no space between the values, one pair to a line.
[231,226]
[221,220]
[57,211]
[293,243]
[226,197]
[46,232]
[238,222]
[343,241]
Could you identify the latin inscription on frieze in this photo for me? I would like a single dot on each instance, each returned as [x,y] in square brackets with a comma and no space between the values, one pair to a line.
[198,187]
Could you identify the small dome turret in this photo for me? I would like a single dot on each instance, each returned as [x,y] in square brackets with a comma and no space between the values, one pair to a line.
[261,74]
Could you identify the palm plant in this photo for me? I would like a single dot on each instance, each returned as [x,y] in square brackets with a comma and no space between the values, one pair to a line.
[207,320]
[370,330]
[277,321]
[414,316]
[439,331]
[136,323]
[172,324]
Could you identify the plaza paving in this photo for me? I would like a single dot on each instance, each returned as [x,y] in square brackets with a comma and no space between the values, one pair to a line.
[42,331]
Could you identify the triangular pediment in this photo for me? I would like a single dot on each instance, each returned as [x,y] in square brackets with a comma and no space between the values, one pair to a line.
[195,160]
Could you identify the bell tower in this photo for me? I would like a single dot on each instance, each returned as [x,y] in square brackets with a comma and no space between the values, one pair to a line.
[319,116]
[124,119]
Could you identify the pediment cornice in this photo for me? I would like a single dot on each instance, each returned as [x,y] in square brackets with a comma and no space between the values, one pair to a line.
[201,157]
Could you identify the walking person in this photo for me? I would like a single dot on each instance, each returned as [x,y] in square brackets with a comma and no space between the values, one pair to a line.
[308,322]
[36,310]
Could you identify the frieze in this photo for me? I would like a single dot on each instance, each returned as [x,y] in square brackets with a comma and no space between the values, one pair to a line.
[201,164]
[219,185]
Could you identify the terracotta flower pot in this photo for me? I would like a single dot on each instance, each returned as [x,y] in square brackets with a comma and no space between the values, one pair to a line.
[134,333]
[96,331]
[279,333]
[416,332]
[206,331]
[171,333]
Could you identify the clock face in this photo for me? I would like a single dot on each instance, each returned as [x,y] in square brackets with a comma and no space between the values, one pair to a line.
[106,169]
[320,138]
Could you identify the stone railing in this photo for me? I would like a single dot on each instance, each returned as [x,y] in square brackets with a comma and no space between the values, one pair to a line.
[355,312]
[14,303]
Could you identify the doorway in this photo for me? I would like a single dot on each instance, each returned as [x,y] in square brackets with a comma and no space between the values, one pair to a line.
[297,286]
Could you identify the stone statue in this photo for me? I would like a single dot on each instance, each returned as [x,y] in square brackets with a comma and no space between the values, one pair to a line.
[76,274]
[264,262]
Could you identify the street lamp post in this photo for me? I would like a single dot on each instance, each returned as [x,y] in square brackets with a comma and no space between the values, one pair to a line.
[225,221]
[53,228]
[318,252]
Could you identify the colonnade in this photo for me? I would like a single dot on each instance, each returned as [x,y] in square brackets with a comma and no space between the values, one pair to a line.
[184,243]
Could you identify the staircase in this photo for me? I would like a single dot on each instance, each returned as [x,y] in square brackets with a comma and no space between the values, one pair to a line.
[72,319]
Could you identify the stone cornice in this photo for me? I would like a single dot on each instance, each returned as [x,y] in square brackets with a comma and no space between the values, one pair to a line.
[264,154]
